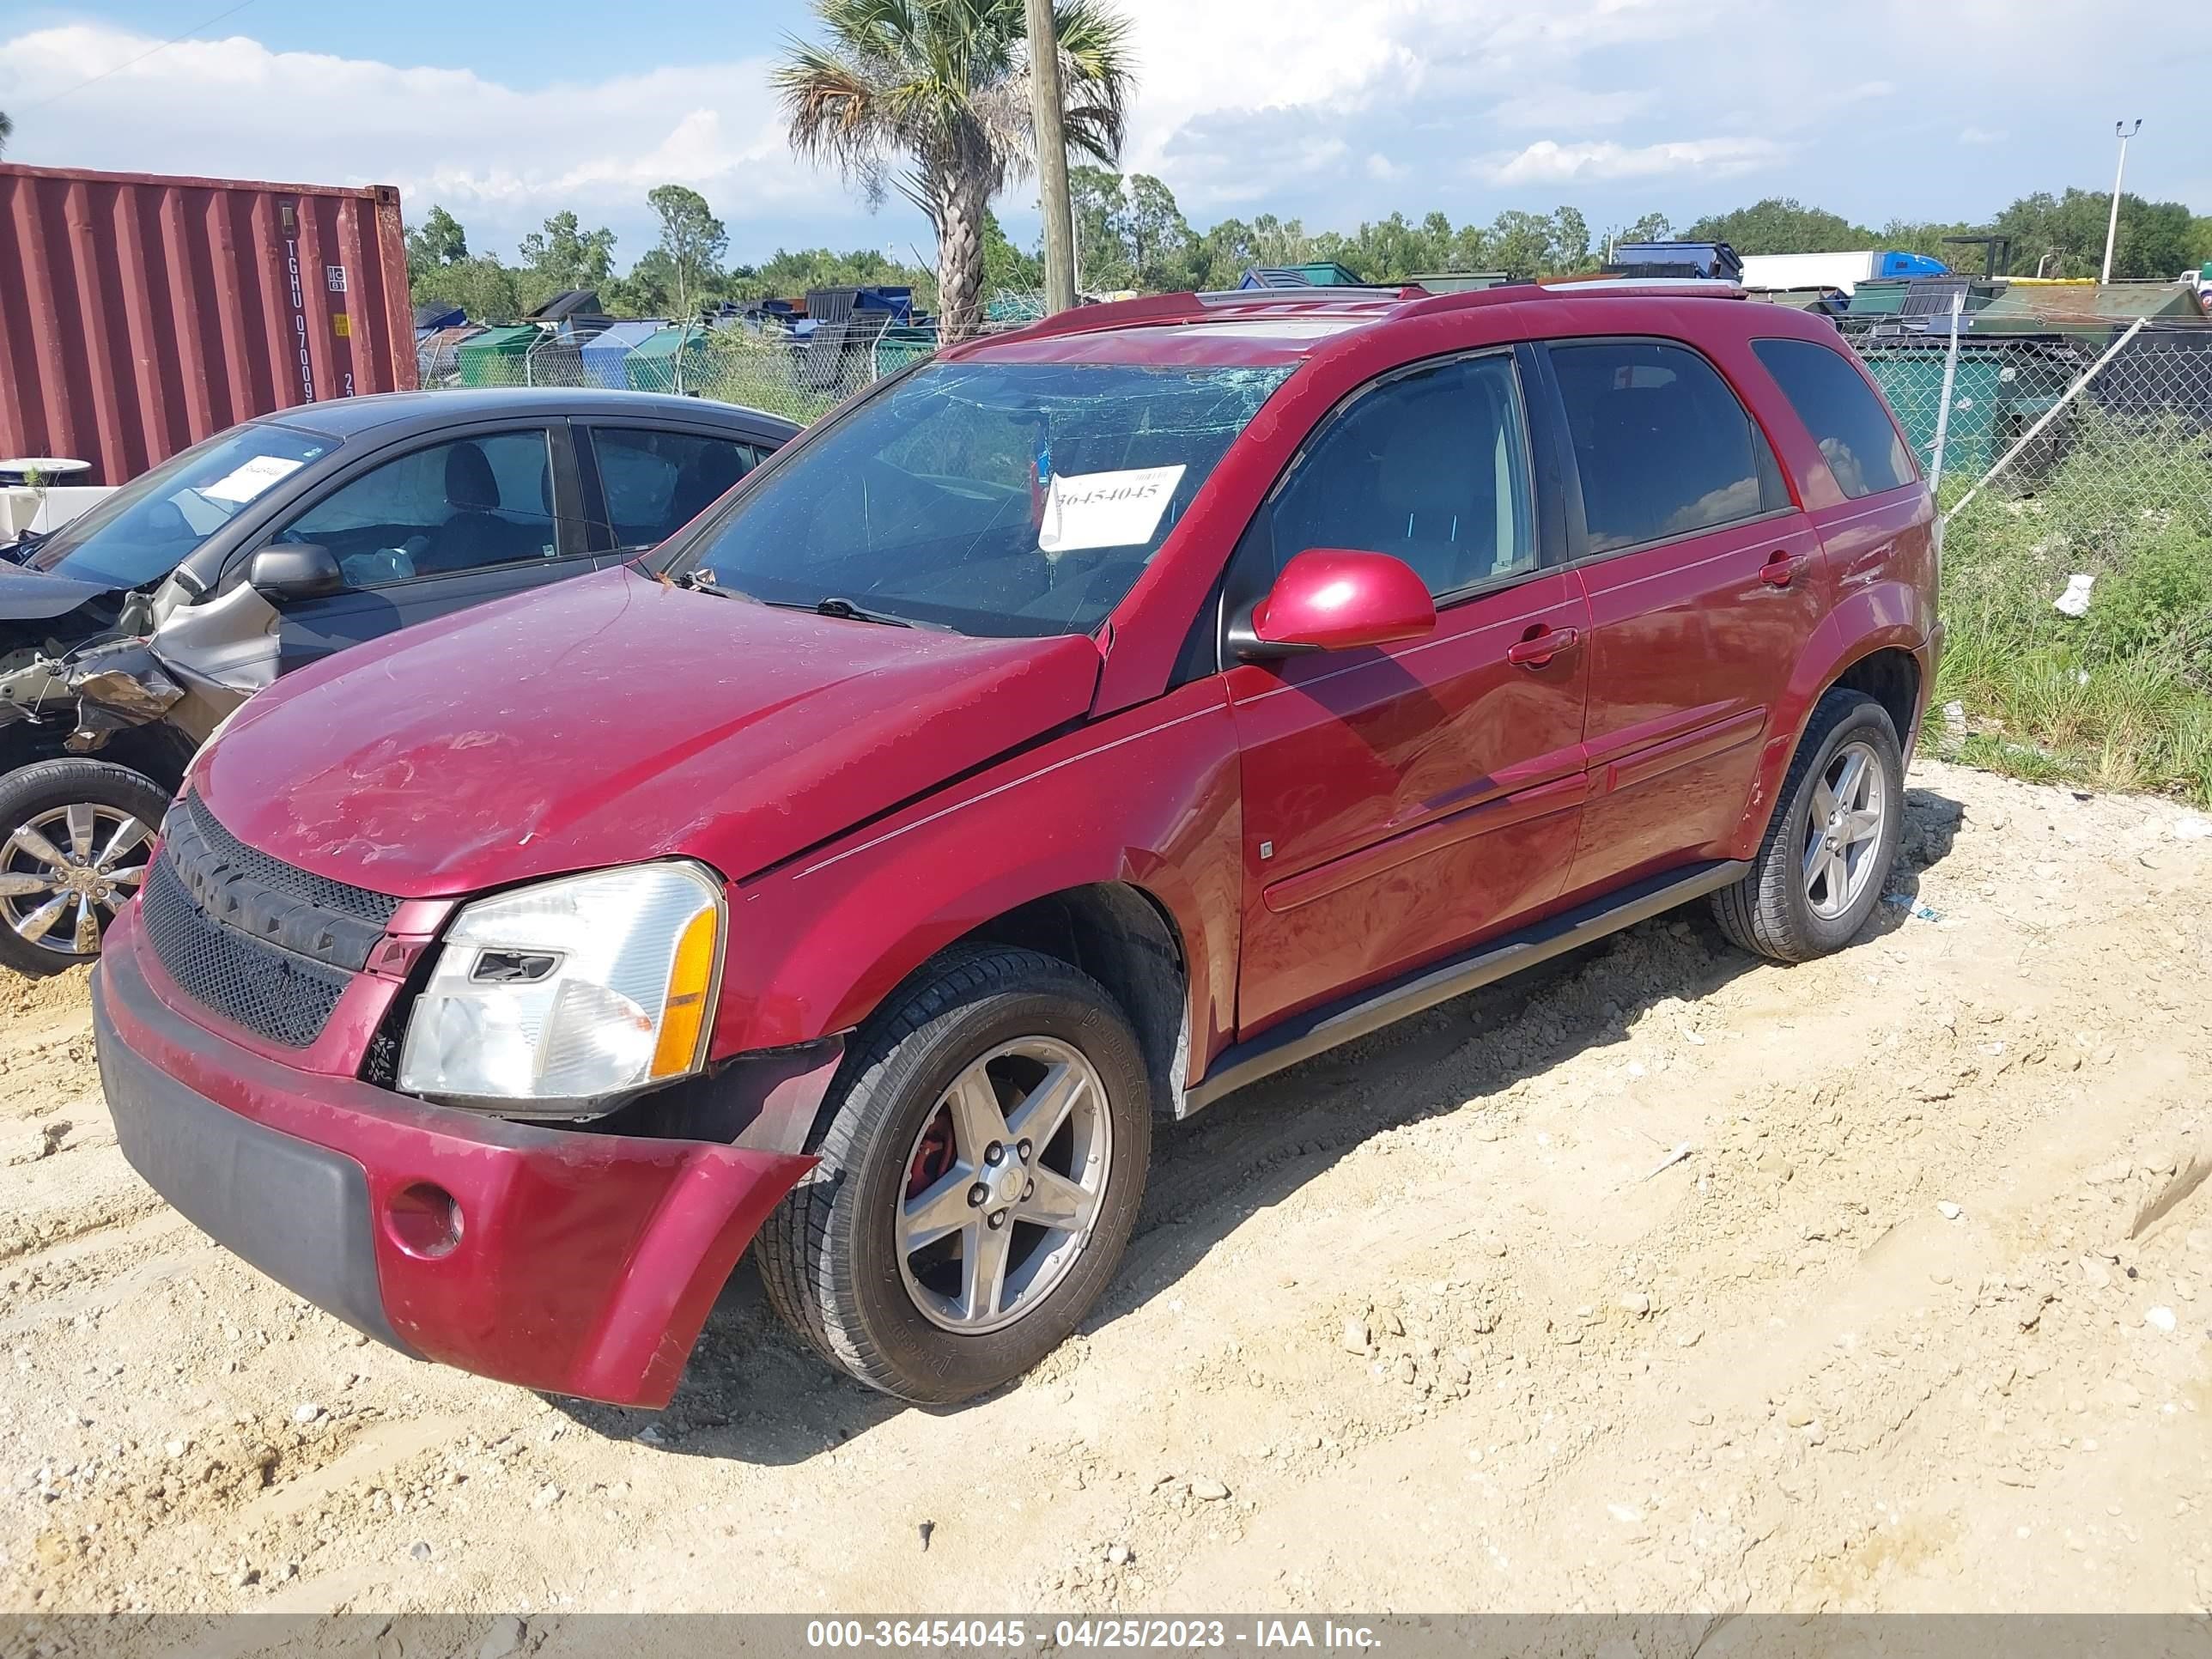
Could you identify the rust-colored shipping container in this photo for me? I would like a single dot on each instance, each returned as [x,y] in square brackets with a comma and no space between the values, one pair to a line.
[139,314]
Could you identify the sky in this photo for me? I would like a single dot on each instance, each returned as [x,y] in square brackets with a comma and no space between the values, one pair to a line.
[1328,110]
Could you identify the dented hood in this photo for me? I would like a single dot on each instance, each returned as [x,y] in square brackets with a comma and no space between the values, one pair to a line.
[33,596]
[611,718]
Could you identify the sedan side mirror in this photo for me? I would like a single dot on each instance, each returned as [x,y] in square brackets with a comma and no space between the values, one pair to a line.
[295,570]
[1332,598]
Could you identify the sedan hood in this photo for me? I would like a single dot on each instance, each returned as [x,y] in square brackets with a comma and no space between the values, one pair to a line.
[28,595]
[612,718]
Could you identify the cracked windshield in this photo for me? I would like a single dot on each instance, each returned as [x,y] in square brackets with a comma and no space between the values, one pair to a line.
[990,498]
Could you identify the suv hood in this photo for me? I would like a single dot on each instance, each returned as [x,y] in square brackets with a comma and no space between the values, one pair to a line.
[612,718]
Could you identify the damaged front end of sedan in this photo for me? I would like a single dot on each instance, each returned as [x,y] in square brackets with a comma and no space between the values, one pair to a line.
[79,665]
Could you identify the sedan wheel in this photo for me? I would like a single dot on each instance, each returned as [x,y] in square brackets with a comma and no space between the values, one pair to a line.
[65,871]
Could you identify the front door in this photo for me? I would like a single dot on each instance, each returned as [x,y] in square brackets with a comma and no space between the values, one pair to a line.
[436,529]
[1401,801]
[1705,585]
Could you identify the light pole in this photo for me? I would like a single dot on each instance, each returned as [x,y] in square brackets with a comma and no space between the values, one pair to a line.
[1052,159]
[2122,131]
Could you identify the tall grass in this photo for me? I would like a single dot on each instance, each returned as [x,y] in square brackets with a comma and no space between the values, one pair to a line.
[2122,697]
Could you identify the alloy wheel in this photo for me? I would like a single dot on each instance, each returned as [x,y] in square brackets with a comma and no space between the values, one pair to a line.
[65,872]
[1003,1185]
[1843,830]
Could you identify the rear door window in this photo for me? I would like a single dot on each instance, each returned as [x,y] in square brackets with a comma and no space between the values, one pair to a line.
[1664,449]
[1857,438]
[657,482]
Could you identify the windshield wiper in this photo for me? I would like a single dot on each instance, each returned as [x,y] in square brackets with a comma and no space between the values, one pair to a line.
[834,605]
[702,580]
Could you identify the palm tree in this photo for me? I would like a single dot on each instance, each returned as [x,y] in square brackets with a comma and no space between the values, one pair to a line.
[939,90]
[7,127]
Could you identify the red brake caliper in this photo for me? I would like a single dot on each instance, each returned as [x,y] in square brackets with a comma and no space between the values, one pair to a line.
[934,1157]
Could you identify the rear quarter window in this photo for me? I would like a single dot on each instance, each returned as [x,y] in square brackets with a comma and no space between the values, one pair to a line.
[1857,438]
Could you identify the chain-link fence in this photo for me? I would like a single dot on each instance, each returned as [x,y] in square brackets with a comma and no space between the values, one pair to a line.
[798,376]
[2093,425]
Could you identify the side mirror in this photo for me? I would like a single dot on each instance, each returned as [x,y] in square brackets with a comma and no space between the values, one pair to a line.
[1331,598]
[295,570]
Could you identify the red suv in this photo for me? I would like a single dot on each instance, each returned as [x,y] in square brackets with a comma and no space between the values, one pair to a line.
[1064,734]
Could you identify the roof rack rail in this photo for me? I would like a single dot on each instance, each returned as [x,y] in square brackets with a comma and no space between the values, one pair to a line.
[1309,294]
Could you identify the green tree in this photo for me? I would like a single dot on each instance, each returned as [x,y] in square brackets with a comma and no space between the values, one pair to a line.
[438,240]
[692,242]
[1781,224]
[2063,235]
[1571,240]
[941,88]
[1153,228]
[1004,265]
[565,256]
[1519,243]
[7,129]
[1097,205]
[485,290]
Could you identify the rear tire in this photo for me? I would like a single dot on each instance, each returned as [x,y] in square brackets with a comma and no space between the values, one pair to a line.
[1000,1084]
[74,834]
[1813,884]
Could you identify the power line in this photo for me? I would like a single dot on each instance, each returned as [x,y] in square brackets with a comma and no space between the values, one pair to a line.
[141,57]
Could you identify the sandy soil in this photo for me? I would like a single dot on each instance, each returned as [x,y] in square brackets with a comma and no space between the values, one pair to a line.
[1922,1319]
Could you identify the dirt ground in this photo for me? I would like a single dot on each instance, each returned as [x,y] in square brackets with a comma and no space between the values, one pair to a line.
[1660,1280]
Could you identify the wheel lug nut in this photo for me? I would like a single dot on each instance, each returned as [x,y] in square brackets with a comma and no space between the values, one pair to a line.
[976,1195]
[1023,1151]
[994,1153]
[1028,1189]
[998,1219]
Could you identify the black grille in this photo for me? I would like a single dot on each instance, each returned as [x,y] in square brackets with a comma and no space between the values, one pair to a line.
[281,996]
[275,875]
[270,901]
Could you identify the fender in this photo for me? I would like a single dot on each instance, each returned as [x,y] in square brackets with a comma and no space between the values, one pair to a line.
[1885,616]
[818,942]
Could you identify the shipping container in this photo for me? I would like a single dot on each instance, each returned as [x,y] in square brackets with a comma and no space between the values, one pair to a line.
[139,314]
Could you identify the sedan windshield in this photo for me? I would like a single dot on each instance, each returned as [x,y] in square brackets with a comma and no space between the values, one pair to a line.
[988,497]
[145,530]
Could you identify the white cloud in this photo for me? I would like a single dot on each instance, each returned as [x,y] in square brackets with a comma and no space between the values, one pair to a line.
[498,157]
[1980,136]
[1547,161]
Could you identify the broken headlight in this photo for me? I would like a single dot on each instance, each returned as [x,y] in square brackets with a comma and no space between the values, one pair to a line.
[558,995]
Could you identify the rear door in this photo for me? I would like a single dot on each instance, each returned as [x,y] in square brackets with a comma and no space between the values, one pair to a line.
[643,483]
[1705,586]
[1400,801]
[436,527]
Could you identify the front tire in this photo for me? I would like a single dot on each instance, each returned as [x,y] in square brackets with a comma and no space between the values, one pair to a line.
[74,834]
[981,1166]
[1829,846]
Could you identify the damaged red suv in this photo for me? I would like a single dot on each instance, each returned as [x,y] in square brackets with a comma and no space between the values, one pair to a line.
[1064,734]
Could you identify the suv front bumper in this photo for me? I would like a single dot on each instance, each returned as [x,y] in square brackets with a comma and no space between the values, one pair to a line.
[583,1264]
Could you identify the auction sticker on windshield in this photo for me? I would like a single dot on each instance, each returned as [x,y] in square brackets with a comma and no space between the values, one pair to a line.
[248,479]
[1106,509]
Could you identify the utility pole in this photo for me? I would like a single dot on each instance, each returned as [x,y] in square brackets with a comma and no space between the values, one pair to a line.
[2122,131]
[1052,159]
